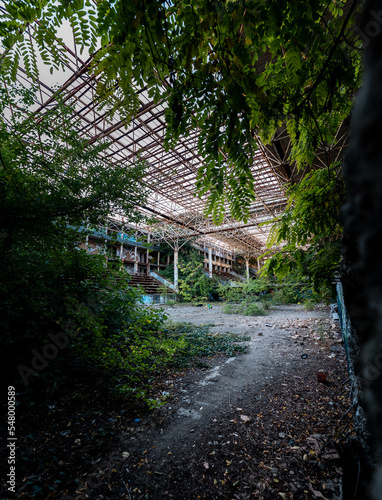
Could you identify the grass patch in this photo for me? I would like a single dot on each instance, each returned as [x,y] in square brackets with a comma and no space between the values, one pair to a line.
[176,346]
[245,309]
[195,342]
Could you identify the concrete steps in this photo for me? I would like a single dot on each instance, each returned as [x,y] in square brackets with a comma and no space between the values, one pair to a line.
[226,276]
[148,283]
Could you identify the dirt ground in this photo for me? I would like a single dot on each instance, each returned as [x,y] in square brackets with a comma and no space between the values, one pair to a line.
[258,425]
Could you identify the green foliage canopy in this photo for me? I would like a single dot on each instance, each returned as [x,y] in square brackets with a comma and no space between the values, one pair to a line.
[311,230]
[232,69]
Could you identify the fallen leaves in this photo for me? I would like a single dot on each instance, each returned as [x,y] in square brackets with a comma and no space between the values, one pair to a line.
[271,443]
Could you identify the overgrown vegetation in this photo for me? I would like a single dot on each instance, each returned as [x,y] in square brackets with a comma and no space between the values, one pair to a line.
[251,289]
[246,308]
[193,282]
[60,306]
[311,231]
[246,298]
[255,296]
[197,342]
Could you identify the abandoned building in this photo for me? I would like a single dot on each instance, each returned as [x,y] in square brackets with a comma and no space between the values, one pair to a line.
[174,213]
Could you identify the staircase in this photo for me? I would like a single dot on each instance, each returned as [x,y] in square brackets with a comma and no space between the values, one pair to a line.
[148,283]
[226,276]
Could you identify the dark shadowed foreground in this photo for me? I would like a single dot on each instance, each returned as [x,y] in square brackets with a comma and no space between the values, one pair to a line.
[258,425]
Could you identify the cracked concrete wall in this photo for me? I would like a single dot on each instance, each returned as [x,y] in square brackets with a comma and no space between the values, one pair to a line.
[362,249]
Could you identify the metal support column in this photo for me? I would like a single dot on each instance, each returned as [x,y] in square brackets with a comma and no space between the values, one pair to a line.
[121,249]
[148,255]
[176,268]
[210,262]
[135,260]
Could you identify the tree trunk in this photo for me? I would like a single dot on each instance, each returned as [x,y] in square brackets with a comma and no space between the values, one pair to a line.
[362,215]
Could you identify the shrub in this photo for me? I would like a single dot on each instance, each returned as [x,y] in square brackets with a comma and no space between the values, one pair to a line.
[251,289]
[194,285]
[196,341]
[245,308]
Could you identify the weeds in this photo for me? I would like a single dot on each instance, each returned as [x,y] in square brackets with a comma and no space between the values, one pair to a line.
[178,345]
[198,342]
[246,308]
[309,304]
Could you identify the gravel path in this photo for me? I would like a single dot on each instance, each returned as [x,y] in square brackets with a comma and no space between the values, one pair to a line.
[225,415]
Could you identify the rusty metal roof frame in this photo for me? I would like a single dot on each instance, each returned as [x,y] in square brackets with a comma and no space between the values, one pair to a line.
[171,175]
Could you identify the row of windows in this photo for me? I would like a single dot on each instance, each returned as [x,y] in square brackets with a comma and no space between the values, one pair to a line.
[223,260]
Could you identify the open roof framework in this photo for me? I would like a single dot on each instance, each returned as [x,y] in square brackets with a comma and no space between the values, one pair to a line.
[171,175]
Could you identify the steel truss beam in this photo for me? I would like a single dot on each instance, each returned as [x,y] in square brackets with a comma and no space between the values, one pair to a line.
[171,175]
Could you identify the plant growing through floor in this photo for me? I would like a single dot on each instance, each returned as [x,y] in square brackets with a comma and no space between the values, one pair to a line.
[163,290]
[194,285]
[252,289]
[246,308]
[247,298]
[198,342]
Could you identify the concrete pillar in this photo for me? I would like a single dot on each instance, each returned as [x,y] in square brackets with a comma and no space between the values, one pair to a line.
[135,260]
[176,268]
[258,264]
[247,268]
[121,248]
[210,262]
[148,255]
[158,261]
[105,252]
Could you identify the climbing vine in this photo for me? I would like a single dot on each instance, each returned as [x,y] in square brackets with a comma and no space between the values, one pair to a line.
[310,230]
[194,284]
